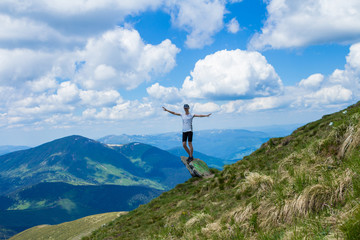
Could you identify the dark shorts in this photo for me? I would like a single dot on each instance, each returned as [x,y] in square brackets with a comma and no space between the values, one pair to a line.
[188,136]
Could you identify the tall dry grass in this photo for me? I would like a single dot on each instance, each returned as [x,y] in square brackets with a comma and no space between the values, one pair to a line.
[255,182]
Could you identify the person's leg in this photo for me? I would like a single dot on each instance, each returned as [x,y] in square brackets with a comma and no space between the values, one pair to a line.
[186,148]
[190,137]
[184,138]
[191,149]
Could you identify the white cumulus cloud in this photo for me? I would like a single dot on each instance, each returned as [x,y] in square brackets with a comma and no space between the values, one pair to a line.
[330,95]
[200,18]
[37,108]
[51,84]
[69,7]
[19,65]
[256,104]
[40,106]
[230,75]
[353,59]
[25,29]
[117,59]
[74,17]
[312,81]
[165,94]
[233,26]
[44,83]
[349,77]
[67,21]
[123,110]
[297,23]
[317,91]
[120,59]
[209,107]
[99,98]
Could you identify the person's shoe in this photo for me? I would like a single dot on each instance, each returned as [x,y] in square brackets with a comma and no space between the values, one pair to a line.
[189,159]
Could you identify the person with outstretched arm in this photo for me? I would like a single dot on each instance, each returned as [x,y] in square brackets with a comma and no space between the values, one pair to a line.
[187,134]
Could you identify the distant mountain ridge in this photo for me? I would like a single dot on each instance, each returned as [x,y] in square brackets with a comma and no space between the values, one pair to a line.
[8,149]
[227,144]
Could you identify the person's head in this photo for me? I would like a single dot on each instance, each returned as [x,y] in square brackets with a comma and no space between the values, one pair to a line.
[186,107]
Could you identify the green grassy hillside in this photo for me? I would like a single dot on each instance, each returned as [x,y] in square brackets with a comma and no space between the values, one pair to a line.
[303,186]
[68,231]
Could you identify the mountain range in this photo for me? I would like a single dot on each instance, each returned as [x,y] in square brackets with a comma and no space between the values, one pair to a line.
[82,161]
[73,177]
[9,148]
[226,144]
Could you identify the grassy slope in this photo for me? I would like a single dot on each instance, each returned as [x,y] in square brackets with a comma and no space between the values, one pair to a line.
[69,230]
[306,185]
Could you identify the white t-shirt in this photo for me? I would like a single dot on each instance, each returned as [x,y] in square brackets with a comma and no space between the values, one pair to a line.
[187,122]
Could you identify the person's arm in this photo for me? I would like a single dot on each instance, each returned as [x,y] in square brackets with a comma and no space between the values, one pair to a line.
[197,115]
[177,114]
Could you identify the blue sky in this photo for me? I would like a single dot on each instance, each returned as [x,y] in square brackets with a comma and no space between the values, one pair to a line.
[107,67]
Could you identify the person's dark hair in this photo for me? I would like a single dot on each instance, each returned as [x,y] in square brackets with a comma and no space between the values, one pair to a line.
[186,106]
